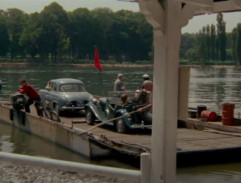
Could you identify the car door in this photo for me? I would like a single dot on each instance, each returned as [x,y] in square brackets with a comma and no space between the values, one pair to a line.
[52,95]
[44,93]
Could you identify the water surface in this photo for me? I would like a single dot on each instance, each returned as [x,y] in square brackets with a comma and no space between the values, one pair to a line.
[14,140]
[95,81]
[214,87]
[208,86]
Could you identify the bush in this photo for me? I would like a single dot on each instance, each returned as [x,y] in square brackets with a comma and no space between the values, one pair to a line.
[110,62]
[143,62]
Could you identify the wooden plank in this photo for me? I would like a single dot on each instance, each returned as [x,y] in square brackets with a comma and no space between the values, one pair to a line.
[187,139]
[213,125]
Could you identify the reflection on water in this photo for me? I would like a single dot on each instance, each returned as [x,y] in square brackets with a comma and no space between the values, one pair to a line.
[213,87]
[16,141]
[224,173]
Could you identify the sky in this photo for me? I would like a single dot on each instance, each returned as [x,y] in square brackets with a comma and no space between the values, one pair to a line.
[194,25]
[197,22]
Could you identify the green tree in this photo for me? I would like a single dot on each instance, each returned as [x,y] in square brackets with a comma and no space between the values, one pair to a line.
[132,36]
[4,37]
[221,36]
[237,43]
[81,30]
[103,20]
[234,43]
[30,38]
[54,33]
[141,35]
[188,42]
[213,42]
[208,42]
[53,20]
[229,46]
[201,44]
[16,23]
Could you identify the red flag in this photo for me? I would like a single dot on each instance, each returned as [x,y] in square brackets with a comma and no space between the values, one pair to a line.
[97,60]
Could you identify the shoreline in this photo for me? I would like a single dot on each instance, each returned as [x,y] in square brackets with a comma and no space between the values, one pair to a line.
[6,64]
[80,65]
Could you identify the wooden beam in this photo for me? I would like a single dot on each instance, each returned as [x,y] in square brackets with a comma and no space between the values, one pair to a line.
[226,6]
[154,13]
[200,3]
[212,6]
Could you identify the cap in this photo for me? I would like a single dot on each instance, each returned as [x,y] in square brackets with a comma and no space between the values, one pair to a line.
[145,76]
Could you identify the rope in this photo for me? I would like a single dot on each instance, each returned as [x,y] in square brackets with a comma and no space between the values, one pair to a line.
[107,121]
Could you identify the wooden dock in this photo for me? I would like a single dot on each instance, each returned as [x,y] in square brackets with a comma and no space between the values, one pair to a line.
[199,145]
[187,139]
[198,142]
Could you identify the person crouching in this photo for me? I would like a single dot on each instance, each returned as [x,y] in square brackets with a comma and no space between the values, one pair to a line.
[33,97]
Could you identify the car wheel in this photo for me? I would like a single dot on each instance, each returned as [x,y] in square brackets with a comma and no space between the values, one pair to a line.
[120,125]
[54,116]
[90,117]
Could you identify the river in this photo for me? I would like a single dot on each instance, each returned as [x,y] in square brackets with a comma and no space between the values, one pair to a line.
[208,86]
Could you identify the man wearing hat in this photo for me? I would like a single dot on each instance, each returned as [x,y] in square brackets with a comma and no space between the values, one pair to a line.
[145,77]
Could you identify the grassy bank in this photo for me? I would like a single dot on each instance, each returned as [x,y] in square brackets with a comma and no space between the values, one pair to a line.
[124,65]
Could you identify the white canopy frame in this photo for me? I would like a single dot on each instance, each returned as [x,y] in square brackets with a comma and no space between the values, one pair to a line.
[167,18]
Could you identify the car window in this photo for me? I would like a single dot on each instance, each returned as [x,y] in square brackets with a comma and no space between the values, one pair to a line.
[71,88]
[53,86]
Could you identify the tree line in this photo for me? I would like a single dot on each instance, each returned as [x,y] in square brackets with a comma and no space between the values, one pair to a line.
[212,45]
[55,35]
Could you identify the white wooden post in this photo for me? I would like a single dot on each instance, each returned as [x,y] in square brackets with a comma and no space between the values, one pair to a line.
[166,57]
[167,22]
[145,168]
[183,92]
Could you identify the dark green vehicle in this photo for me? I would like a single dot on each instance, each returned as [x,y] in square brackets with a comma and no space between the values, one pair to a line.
[107,108]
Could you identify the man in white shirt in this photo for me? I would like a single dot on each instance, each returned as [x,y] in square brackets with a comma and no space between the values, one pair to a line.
[119,86]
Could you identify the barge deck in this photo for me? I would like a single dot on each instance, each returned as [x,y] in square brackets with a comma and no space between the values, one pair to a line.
[194,146]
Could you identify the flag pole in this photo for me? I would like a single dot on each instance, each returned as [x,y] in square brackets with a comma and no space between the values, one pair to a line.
[101,81]
[98,65]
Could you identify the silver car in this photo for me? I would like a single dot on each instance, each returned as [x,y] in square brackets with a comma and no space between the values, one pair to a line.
[65,94]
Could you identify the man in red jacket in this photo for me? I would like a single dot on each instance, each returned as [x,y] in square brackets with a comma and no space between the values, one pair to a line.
[33,95]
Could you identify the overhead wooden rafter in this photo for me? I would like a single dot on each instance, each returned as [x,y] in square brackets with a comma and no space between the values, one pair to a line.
[214,6]
[209,6]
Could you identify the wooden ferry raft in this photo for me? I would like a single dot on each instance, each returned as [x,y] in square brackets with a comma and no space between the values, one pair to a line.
[192,145]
